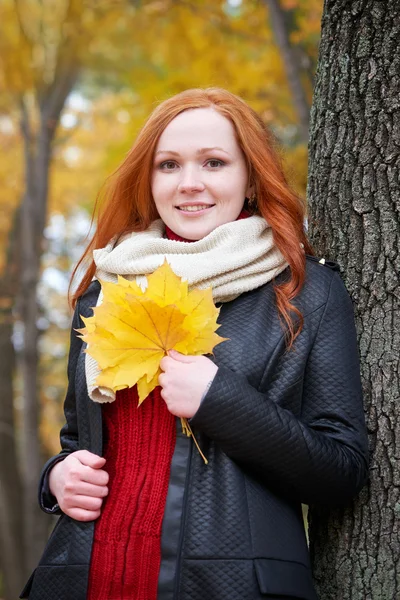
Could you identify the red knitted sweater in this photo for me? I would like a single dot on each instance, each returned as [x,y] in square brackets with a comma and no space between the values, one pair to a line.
[138,447]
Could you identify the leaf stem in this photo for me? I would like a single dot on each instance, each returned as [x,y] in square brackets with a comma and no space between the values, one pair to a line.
[187,430]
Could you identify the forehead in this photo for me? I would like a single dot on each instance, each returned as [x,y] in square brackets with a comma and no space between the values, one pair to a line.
[203,127]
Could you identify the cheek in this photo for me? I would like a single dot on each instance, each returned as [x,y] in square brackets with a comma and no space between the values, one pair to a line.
[160,189]
[155,185]
[235,178]
[233,186]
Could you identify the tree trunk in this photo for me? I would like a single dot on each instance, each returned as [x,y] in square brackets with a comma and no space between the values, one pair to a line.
[354,200]
[291,63]
[11,514]
[38,151]
[33,213]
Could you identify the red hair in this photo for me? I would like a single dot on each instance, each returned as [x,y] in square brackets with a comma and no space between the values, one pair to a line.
[125,202]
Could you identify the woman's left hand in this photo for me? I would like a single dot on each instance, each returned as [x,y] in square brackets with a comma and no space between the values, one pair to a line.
[184,382]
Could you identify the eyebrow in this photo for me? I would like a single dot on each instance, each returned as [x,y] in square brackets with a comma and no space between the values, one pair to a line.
[199,152]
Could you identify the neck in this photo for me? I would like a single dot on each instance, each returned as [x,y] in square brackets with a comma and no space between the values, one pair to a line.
[171,235]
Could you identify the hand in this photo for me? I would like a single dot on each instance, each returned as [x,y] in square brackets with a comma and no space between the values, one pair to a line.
[79,483]
[184,382]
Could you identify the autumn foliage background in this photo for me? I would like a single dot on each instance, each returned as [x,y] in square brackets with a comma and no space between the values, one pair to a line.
[113,61]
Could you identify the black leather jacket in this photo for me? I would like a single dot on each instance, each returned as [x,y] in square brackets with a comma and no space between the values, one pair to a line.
[278,428]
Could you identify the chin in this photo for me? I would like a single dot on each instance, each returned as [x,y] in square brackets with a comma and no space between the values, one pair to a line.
[197,234]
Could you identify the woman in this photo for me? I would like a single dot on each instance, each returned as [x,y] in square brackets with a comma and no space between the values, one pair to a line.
[277,410]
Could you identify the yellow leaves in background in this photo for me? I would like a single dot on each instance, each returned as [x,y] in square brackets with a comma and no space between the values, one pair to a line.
[130,56]
[295,161]
[131,331]
[202,45]
[11,182]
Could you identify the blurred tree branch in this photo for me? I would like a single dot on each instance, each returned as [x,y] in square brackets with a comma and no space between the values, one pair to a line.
[290,58]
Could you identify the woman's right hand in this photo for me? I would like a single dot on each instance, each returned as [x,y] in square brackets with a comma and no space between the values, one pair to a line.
[79,483]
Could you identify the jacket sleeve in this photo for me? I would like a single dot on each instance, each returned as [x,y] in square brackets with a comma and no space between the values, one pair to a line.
[69,432]
[320,456]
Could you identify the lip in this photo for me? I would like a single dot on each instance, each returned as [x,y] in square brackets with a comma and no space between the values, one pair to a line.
[191,203]
[194,213]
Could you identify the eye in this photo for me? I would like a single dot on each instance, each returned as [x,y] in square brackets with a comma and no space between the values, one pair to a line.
[167,165]
[214,163]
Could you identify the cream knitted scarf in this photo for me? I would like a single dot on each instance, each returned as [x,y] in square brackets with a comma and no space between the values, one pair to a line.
[234,258]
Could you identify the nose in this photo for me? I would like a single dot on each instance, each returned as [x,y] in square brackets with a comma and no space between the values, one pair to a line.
[190,181]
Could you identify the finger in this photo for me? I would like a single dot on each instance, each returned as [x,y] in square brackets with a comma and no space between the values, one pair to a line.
[94,476]
[89,459]
[88,489]
[162,380]
[165,363]
[85,502]
[79,514]
[180,357]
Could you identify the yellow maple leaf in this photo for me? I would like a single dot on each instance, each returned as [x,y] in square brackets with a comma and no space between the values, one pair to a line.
[131,331]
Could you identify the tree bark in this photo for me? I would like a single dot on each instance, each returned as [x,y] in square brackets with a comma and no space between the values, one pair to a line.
[354,200]
[291,63]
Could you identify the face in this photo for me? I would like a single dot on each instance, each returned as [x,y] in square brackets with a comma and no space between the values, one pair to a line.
[200,177]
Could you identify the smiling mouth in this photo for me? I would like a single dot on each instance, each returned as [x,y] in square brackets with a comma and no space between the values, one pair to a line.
[195,207]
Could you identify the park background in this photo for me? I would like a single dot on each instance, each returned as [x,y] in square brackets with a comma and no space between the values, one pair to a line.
[77,80]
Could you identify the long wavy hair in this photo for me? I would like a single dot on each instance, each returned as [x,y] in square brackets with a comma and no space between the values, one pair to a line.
[125,203]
